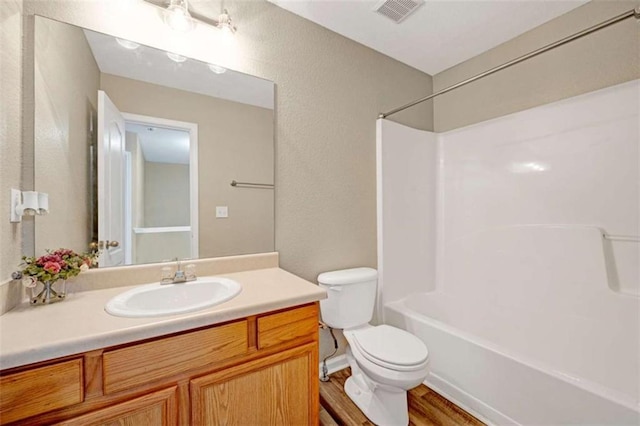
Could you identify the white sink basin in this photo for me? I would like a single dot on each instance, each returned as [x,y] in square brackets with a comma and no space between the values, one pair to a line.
[154,300]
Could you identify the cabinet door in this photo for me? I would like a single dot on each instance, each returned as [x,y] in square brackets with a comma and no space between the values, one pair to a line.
[157,409]
[281,389]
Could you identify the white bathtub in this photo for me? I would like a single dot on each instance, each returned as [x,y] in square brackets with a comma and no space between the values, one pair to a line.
[491,361]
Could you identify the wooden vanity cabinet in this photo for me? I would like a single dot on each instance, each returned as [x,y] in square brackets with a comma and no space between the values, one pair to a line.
[260,370]
[275,390]
[157,408]
[41,388]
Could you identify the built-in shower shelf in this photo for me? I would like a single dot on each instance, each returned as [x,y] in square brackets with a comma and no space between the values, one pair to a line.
[161,229]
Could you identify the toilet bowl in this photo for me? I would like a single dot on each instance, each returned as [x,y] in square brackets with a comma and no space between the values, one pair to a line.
[382,373]
[385,361]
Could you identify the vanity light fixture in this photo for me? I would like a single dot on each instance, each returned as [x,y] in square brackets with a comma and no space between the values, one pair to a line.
[27,203]
[178,16]
[217,69]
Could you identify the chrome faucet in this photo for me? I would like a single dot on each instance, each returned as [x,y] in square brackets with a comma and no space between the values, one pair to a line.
[179,276]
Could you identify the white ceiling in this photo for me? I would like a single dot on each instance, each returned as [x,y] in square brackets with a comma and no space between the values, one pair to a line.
[161,145]
[154,66]
[439,34]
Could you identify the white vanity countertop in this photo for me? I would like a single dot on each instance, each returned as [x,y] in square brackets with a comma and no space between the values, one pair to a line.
[80,324]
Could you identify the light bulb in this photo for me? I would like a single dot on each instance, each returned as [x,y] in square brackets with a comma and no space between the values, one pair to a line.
[127,44]
[225,24]
[43,203]
[176,58]
[177,16]
[217,69]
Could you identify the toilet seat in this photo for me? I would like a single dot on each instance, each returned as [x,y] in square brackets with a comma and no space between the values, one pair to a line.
[391,348]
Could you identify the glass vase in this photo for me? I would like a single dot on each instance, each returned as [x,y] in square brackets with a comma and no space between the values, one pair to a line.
[48,292]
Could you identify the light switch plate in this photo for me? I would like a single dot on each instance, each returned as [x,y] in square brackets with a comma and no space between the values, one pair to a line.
[222,211]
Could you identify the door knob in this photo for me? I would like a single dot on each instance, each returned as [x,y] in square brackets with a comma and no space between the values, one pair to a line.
[100,245]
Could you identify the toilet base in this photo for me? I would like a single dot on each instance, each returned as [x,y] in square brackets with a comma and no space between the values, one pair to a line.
[384,406]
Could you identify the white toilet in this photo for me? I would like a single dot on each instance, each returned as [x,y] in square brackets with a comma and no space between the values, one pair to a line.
[385,361]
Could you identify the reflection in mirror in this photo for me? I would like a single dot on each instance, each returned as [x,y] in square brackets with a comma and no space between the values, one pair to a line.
[137,148]
[159,163]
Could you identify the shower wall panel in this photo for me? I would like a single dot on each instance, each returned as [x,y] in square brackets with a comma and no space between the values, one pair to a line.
[407,162]
[538,179]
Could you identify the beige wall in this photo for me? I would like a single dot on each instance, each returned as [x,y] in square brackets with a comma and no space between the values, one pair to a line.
[11,30]
[329,93]
[228,149]
[602,59]
[166,194]
[158,247]
[66,82]
[138,179]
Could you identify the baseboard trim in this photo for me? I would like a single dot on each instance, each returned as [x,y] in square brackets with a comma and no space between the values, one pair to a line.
[335,364]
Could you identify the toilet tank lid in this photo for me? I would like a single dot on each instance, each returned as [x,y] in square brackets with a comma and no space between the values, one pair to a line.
[348,276]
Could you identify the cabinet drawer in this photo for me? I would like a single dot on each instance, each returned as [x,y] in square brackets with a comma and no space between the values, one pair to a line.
[40,390]
[143,363]
[280,327]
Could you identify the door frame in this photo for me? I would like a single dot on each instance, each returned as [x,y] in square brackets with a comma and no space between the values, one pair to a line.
[128,229]
[192,129]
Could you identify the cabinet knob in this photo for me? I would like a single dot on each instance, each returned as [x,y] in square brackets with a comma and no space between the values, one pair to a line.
[112,244]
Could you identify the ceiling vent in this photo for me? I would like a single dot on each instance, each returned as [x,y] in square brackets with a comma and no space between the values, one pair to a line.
[397,10]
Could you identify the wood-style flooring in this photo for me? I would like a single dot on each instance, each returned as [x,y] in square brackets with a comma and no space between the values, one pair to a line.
[426,407]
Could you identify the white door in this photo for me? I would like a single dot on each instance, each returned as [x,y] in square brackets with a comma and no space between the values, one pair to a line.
[111,145]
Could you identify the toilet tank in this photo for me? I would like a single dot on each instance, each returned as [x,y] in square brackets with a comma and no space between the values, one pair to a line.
[351,297]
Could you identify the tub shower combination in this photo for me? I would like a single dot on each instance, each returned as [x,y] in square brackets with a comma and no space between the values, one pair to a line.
[510,247]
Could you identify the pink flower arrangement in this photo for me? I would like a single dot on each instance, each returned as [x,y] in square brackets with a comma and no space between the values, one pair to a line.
[52,267]
[56,265]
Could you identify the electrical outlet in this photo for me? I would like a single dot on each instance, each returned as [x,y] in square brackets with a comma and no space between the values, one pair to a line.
[222,211]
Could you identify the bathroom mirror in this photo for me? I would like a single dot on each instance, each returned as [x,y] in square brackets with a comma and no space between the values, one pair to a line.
[138,148]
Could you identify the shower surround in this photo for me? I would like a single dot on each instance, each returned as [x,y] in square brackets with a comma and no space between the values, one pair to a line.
[511,247]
